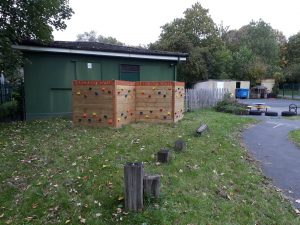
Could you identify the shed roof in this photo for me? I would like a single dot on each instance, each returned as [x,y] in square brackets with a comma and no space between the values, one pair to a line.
[96,48]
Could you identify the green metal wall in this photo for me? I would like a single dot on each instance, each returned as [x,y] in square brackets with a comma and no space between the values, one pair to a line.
[48,78]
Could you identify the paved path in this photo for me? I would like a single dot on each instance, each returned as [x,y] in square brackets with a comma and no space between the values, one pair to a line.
[280,158]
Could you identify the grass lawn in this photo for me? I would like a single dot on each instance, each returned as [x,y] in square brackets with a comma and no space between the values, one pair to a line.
[52,173]
[295,136]
[293,117]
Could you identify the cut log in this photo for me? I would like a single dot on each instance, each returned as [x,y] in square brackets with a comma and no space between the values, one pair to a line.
[163,155]
[179,145]
[201,129]
[133,181]
[152,185]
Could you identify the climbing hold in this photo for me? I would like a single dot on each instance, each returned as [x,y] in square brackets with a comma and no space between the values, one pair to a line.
[84,115]
[110,121]
[119,92]
[90,88]
[103,89]
[90,120]
[85,96]
[147,116]
[122,89]
[94,114]
[119,119]
[131,114]
[141,113]
[151,111]
[169,113]
[165,96]
[122,114]
[165,117]
[109,92]
[105,116]
[126,96]
[79,120]
[149,96]
[99,119]
[143,93]
[129,91]
[169,89]
[125,117]
[153,88]
[78,92]
[96,93]
[161,110]
[159,92]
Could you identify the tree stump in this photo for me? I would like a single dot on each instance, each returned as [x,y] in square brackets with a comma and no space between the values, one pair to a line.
[152,185]
[179,145]
[163,155]
[133,179]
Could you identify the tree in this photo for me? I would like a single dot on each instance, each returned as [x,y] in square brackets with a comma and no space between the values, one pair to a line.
[196,34]
[292,68]
[23,19]
[265,44]
[93,37]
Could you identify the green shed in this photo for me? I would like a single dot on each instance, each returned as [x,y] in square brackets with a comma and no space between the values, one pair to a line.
[50,69]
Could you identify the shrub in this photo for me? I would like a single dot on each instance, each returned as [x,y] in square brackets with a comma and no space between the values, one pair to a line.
[8,109]
[229,105]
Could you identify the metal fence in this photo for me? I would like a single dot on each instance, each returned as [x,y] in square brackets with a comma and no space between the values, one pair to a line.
[203,98]
[6,92]
[290,90]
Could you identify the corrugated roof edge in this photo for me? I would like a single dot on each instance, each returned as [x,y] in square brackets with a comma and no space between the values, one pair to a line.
[96,46]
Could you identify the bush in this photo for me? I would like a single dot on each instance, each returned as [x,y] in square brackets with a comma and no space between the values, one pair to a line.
[9,110]
[229,105]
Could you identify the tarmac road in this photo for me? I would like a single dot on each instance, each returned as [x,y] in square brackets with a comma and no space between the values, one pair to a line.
[268,143]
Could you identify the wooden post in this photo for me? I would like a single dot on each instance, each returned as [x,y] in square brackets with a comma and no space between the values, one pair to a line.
[179,145]
[152,185]
[133,178]
[163,155]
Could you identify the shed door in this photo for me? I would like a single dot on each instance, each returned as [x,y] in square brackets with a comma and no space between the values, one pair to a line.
[88,71]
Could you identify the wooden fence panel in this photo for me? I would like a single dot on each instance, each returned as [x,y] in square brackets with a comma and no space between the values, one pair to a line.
[203,98]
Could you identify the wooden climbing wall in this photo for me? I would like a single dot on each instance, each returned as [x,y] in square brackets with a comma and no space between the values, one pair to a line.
[125,102]
[178,101]
[115,103]
[93,103]
[154,101]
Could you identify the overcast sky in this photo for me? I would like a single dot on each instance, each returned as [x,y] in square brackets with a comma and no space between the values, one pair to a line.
[135,22]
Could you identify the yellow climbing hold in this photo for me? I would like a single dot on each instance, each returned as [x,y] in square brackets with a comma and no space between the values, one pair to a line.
[78,93]
[94,114]
[169,113]
[147,116]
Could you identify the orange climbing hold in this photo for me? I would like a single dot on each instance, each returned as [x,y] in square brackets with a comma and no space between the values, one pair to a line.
[84,115]
[110,121]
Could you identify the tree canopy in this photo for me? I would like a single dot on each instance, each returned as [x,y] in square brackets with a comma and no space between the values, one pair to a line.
[196,34]
[93,37]
[23,19]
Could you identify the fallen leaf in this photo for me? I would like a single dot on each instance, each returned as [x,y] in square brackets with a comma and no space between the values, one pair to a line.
[2,215]
[120,198]
[297,201]
[82,220]
[67,221]
[98,214]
